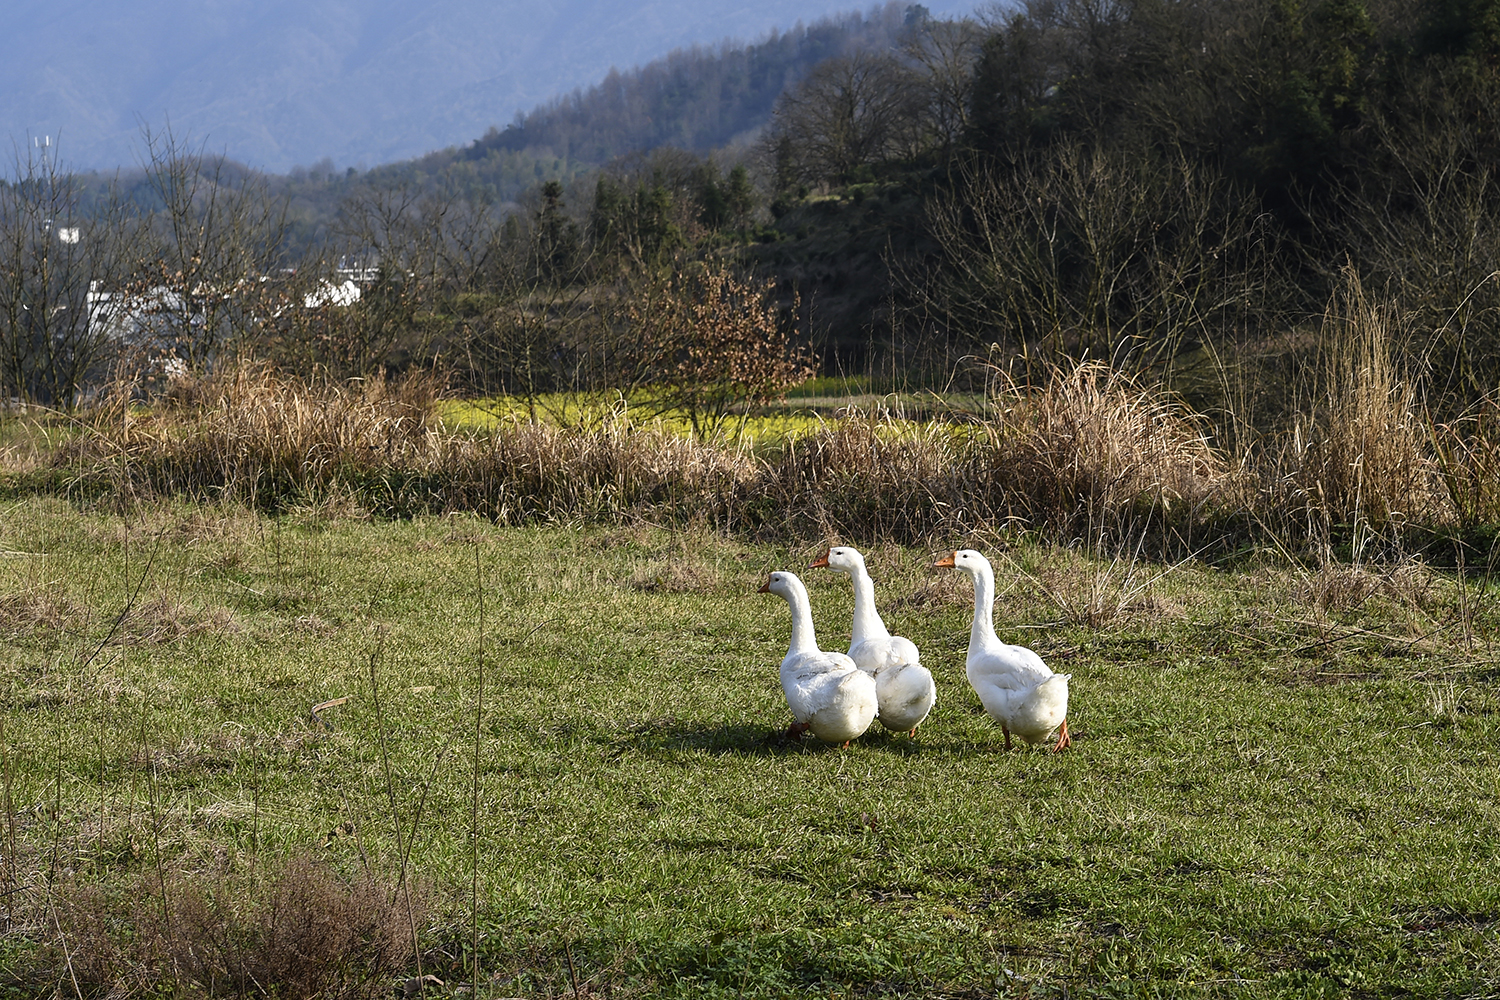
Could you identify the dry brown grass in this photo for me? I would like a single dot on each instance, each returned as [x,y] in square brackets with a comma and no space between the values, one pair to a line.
[1340,587]
[1092,443]
[1089,450]
[48,613]
[1088,456]
[329,449]
[163,618]
[1101,588]
[522,471]
[864,476]
[1467,452]
[1361,453]
[256,435]
[295,929]
[41,611]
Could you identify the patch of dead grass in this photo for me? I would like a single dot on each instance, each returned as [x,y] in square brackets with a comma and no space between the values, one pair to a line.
[1341,587]
[164,619]
[674,576]
[40,612]
[295,926]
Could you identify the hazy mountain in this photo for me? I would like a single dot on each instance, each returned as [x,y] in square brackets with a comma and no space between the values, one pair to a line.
[284,82]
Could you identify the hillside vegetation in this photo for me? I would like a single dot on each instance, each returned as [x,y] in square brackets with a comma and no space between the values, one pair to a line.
[1171,186]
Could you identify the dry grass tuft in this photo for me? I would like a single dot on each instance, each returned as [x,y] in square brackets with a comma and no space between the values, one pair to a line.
[163,619]
[1340,587]
[672,576]
[256,435]
[293,930]
[1362,454]
[1467,452]
[940,590]
[1092,444]
[521,472]
[863,476]
[39,612]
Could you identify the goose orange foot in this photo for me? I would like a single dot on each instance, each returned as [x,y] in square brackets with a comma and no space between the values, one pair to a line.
[1063,739]
[796,730]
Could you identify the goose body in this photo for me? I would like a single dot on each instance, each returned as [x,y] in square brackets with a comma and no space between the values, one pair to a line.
[903,687]
[829,696]
[1016,688]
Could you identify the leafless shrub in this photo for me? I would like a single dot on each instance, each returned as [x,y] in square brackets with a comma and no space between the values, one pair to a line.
[1122,254]
[849,112]
[714,340]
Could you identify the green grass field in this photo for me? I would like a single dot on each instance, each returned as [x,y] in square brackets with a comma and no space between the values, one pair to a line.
[1283,782]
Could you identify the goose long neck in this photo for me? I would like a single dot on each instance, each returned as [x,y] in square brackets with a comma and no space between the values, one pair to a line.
[867,623]
[983,629]
[803,638]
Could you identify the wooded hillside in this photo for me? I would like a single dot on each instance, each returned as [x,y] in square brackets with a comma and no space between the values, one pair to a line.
[1183,186]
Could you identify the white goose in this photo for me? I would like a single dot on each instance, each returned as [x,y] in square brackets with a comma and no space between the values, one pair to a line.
[1015,687]
[903,686]
[829,696]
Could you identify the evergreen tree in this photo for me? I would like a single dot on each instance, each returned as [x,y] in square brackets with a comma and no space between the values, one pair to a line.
[739,196]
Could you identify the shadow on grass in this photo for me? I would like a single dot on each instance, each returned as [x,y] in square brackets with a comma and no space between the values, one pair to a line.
[759,740]
[731,738]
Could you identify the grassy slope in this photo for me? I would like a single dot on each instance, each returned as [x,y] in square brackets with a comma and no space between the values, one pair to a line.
[1258,803]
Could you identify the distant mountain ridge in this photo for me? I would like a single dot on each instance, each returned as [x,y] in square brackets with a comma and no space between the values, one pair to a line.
[283,83]
[695,99]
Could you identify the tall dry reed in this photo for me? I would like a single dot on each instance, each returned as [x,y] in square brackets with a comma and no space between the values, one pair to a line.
[1467,452]
[1361,454]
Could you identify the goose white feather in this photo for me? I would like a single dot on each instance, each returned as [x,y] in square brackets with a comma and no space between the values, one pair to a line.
[1016,688]
[903,687]
[829,696]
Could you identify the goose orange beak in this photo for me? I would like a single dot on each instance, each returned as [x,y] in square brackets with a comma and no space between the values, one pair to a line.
[765,588]
[946,562]
[819,562]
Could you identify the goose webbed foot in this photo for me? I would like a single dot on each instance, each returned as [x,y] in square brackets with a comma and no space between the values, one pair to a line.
[796,730]
[1063,739]
[1006,730]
